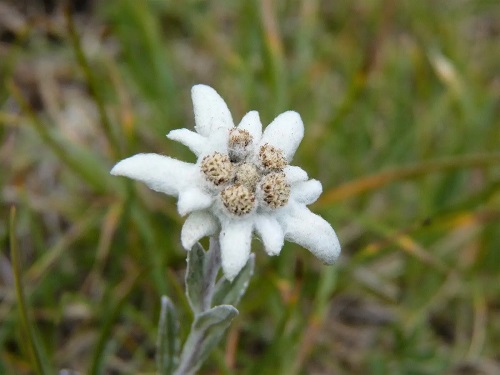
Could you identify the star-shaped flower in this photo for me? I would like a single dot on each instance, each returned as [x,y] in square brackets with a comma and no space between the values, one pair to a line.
[241,184]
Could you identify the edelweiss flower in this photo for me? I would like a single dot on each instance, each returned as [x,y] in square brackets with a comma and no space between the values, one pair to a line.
[241,183]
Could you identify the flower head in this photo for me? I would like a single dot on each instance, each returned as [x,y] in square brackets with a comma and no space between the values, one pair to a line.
[242,183]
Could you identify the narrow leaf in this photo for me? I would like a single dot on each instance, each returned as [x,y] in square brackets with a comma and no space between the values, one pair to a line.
[201,272]
[206,332]
[167,354]
[230,293]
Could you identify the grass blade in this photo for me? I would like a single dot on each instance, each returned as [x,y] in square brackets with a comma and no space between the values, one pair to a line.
[92,83]
[122,292]
[37,352]
[364,184]
[86,165]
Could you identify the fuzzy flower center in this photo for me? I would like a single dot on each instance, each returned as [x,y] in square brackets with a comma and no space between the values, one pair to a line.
[272,158]
[248,180]
[238,144]
[217,168]
[275,189]
[248,175]
[238,199]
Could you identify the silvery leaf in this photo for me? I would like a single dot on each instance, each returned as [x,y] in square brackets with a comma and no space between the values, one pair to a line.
[167,355]
[201,272]
[230,293]
[206,332]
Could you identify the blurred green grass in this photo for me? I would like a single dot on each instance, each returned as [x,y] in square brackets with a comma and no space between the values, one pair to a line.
[400,102]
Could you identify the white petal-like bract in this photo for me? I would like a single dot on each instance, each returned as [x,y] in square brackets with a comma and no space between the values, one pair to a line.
[269,230]
[285,132]
[193,199]
[160,173]
[294,174]
[235,239]
[196,143]
[306,192]
[210,110]
[198,225]
[312,232]
[251,123]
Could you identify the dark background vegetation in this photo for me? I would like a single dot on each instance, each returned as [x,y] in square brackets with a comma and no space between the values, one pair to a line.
[400,101]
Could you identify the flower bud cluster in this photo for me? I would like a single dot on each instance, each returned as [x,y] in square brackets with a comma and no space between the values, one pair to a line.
[246,179]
